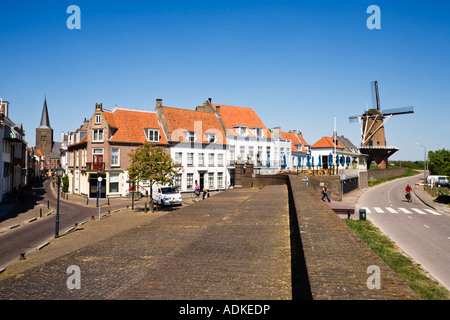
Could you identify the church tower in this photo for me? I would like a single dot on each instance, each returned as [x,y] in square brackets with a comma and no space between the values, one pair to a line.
[44,134]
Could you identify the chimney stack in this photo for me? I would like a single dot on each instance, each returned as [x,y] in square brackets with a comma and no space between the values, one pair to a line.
[294,132]
[277,132]
[158,103]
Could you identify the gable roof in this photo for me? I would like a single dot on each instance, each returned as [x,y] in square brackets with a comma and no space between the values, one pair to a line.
[295,140]
[240,116]
[130,125]
[181,120]
[326,142]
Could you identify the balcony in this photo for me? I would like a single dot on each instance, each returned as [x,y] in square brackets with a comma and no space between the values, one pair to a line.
[95,165]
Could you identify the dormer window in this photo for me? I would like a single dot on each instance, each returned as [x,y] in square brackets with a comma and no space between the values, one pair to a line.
[152,135]
[190,136]
[257,132]
[210,137]
[242,131]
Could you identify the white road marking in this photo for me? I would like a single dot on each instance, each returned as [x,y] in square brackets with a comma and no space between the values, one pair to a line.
[432,212]
[418,211]
[426,226]
[404,210]
[379,210]
[391,210]
[367,210]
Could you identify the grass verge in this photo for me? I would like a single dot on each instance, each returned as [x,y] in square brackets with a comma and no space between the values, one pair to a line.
[408,173]
[405,267]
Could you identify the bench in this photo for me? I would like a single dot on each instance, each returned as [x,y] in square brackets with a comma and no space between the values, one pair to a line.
[348,211]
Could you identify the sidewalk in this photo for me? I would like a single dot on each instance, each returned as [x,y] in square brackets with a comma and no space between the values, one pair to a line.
[427,199]
[348,202]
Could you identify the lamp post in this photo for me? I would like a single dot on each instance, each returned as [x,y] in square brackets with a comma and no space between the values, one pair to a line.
[59,174]
[99,188]
[425,160]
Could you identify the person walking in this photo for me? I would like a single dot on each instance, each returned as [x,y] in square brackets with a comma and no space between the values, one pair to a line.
[325,192]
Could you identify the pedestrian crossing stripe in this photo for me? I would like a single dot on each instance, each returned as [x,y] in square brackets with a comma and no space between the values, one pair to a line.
[404,210]
[432,212]
[418,211]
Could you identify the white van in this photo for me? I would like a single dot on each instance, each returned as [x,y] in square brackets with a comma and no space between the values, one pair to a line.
[437,180]
[166,196]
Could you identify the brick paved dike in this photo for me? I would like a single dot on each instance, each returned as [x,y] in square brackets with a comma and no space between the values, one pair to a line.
[234,245]
[278,242]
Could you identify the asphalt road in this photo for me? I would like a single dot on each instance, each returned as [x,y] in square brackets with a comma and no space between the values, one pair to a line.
[29,236]
[421,232]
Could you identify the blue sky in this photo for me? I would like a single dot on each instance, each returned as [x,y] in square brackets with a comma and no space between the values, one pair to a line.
[297,63]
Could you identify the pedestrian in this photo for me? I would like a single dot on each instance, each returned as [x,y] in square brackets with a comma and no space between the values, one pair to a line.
[197,189]
[325,192]
[205,194]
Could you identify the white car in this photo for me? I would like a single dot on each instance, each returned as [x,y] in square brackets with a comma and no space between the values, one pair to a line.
[167,196]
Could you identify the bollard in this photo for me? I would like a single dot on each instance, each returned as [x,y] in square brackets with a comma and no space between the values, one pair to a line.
[48,204]
[40,212]
[146,207]
[108,200]
[87,201]
[22,256]
[92,218]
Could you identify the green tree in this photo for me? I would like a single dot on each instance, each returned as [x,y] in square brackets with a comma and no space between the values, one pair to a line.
[439,162]
[151,163]
[65,183]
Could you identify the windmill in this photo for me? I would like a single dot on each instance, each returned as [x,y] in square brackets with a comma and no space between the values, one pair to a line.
[372,123]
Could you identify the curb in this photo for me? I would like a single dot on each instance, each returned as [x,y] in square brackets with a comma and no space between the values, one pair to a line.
[423,201]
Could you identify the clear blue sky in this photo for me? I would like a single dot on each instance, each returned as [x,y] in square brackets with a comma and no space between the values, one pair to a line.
[297,63]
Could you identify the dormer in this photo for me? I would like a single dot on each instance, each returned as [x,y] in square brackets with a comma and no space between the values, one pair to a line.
[241,130]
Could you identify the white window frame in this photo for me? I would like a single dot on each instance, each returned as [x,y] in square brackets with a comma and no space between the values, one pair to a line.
[152,135]
[117,164]
[201,159]
[210,137]
[98,119]
[190,136]
[190,159]
[97,135]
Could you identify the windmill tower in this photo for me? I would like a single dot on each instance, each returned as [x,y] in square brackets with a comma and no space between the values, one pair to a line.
[372,125]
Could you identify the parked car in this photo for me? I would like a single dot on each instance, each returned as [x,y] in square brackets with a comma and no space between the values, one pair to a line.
[442,182]
[166,196]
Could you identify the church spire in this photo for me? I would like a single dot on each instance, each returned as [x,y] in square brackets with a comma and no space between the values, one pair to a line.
[45,122]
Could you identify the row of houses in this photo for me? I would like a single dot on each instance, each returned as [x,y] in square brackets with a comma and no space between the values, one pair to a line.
[19,164]
[207,142]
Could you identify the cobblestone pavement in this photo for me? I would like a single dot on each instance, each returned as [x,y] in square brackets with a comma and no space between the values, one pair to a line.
[234,245]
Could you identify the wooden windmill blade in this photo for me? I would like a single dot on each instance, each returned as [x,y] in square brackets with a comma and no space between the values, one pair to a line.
[375,95]
[397,111]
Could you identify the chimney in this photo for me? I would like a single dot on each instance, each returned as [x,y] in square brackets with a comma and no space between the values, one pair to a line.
[277,132]
[98,106]
[218,110]
[158,103]
[294,132]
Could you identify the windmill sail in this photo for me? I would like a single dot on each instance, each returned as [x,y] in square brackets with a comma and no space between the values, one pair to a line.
[375,95]
[396,111]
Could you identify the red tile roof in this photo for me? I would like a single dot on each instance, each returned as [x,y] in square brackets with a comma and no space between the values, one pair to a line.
[326,142]
[295,140]
[240,116]
[130,125]
[179,121]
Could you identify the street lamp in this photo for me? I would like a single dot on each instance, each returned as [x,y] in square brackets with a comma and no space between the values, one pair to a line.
[59,174]
[99,188]
[425,160]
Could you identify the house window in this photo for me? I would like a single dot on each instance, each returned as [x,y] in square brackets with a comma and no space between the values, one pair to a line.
[257,132]
[242,151]
[220,160]
[211,159]
[98,135]
[201,159]
[190,159]
[152,135]
[114,156]
[179,157]
[190,136]
[220,179]
[211,137]
[113,183]
[190,180]
[243,131]
[98,118]
[211,180]
[177,180]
